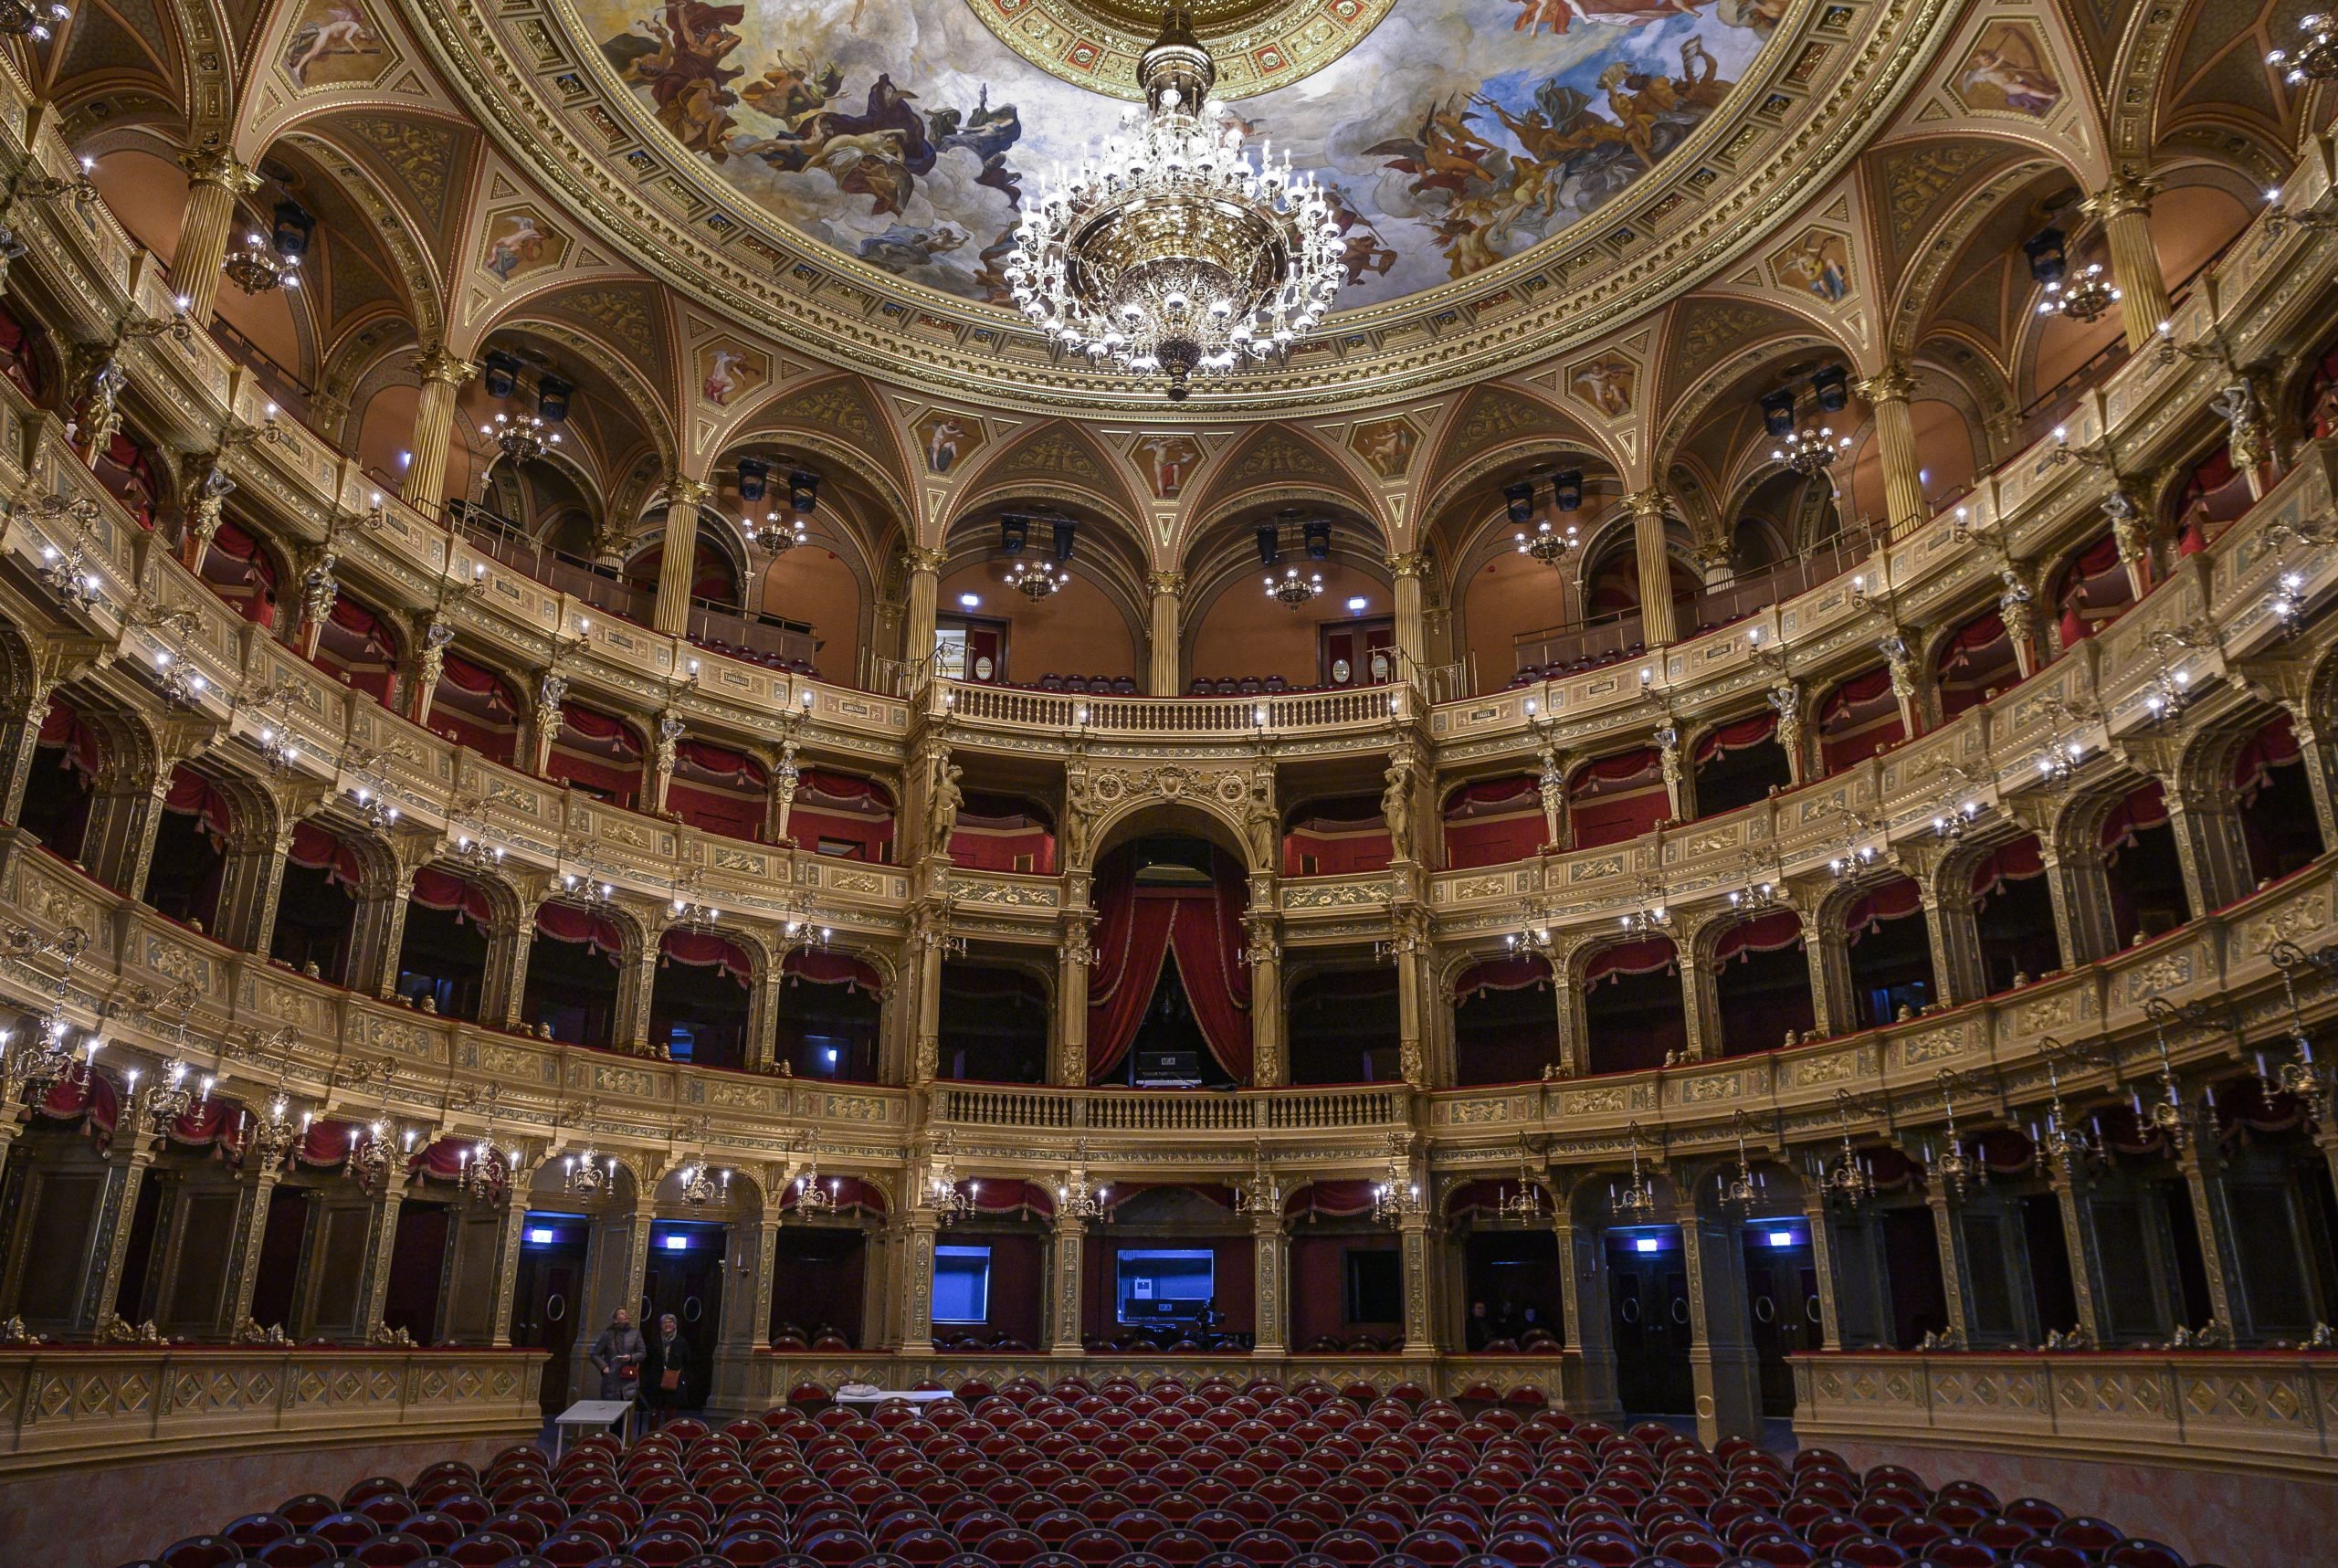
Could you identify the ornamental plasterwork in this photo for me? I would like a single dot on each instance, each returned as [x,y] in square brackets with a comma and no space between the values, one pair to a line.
[524,75]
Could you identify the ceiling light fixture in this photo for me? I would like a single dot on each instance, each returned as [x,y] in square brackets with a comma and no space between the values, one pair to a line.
[1293,591]
[1170,250]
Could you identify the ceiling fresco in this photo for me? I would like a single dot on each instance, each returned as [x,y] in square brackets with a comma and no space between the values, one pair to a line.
[906,134]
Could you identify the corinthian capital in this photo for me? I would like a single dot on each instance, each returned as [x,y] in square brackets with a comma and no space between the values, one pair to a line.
[2127,192]
[218,166]
[438,365]
[1648,502]
[1173,583]
[1892,384]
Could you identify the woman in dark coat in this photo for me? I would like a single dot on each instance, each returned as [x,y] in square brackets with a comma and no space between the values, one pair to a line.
[617,1355]
[664,1372]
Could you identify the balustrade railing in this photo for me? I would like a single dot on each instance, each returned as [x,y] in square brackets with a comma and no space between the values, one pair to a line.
[1018,706]
[1128,1110]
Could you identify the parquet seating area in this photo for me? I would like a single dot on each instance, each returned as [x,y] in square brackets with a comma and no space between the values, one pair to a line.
[1216,1475]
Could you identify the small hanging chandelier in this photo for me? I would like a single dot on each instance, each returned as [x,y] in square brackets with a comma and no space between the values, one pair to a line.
[703,1185]
[588,1174]
[1810,450]
[30,19]
[270,1138]
[778,534]
[1293,591]
[369,1160]
[1170,252]
[811,1197]
[1036,580]
[2314,60]
[258,268]
[1957,1169]
[1636,1204]
[2057,1145]
[1551,546]
[522,438]
[1525,1204]
[1262,1193]
[1847,1181]
[2083,296]
[66,572]
[1744,1187]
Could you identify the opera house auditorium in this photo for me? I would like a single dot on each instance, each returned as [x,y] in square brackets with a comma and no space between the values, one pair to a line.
[1073,783]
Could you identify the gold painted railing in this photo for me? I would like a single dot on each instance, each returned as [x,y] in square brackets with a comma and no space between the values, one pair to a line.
[1137,1111]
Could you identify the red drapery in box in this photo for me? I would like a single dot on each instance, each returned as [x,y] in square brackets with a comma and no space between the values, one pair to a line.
[704,950]
[1646,956]
[2015,862]
[1977,658]
[61,726]
[2274,746]
[194,796]
[819,967]
[1617,798]
[93,1101]
[1337,837]
[1857,719]
[1137,927]
[1764,933]
[474,707]
[567,923]
[719,790]
[436,889]
[599,752]
[1493,821]
[1516,974]
[852,1195]
[327,1142]
[1330,1199]
[1894,901]
[250,583]
[2094,591]
[2214,496]
[360,648]
[315,849]
[1740,735]
[2145,808]
[124,469]
[842,815]
[997,833]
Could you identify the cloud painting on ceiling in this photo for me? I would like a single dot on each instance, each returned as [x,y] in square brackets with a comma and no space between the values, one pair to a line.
[903,134]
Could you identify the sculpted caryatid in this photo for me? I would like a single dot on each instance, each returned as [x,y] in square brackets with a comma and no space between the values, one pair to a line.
[1396,808]
[1261,824]
[942,812]
[1078,816]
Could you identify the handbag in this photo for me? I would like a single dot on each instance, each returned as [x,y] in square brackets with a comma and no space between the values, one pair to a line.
[671,1379]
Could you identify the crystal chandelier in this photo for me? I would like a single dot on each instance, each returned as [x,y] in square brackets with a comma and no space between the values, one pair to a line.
[279,748]
[1170,250]
[1293,591]
[66,572]
[1262,1193]
[259,266]
[2058,762]
[487,1170]
[2288,603]
[1075,1199]
[1036,580]
[1399,1196]
[522,439]
[1636,1204]
[1809,451]
[2315,58]
[369,1162]
[373,807]
[2083,296]
[29,19]
[271,1138]
[49,1056]
[1653,919]
[1549,546]
[1764,896]
[1856,855]
[778,534]
[476,853]
[586,889]
[2172,686]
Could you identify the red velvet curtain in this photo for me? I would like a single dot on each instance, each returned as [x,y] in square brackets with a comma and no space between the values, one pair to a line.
[316,849]
[2094,591]
[1492,822]
[1517,973]
[436,889]
[1857,719]
[567,923]
[1330,1199]
[821,968]
[191,795]
[1617,798]
[1737,737]
[1764,933]
[2145,808]
[1136,929]
[704,950]
[1894,901]
[1643,957]
[61,726]
[2274,746]
[2015,862]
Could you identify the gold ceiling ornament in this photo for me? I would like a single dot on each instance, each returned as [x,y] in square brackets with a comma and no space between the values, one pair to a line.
[1170,250]
[1266,44]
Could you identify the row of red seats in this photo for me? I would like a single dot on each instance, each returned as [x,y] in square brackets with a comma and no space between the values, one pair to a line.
[1123,1476]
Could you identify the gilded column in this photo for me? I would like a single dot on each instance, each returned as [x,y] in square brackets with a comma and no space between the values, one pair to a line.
[916,1284]
[2124,208]
[2321,777]
[443,375]
[215,180]
[1262,945]
[1887,393]
[1271,1335]
[1955,1273]
[678,557]
[1954,933]
[2087,1284]
[1590,1327]
[381,1242]
[929,941]
[1657,625]
[253,1197]
[924,577]
[1413,1240]
[1405,571]
[1064,1261]
[1168,593]
[2211,850]
[1074,956]
[510,1234]
[2201,1159]
[110,1255]
[1722,1368]
[1822,1263]
[766,1266]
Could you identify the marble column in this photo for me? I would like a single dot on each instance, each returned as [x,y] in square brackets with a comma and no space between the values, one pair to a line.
[215,180]
[2124,208]
[1164,678]
[1657,623]
[443,375]
[677,556]
[1887,393]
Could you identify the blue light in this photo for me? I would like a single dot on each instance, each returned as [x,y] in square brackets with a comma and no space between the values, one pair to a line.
[1644,1243]
[543,1235]
[678,1243]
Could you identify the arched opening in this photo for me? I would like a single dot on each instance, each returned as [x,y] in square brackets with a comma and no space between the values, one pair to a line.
[442,957]
[1739,762]
[2141,862]
[1634,1016]
[126,468]
[316,908]
[1614,800]
[830,1005]
[1169,995]
[991,1270]
[1888,949]
[475,706]
[242,572]
[597,754]
[1004,832]
[993,1023]
[700,999]
[1344,835]
[2214,495]
[1505,1023]
[719,790]
[1175,1273]
[357,646]
[1510,1273]
[1761,983]
[814,588]
[2288,1263]
[61,785]
[1074,639]
[1243,635]
[2274,802]
[2014,914]
[841,816]
[1345,1272]
[1857,719]
[2092,591]
[190,850]
[1343,1025]
[824,1259]
[715,578]
[574,975]
[1494,822]
[1975,663]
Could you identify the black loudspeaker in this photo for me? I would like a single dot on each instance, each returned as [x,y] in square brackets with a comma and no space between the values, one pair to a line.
[802,492]
[1777,412]
[1518,500]
[1066,532]
[1566,491]
[1014,533]
[1270,543]
[1168,1066]
[1319,540]
[1832,387]
[499,373]
[293,230]
[2049,261]
[754,479]
[552,397]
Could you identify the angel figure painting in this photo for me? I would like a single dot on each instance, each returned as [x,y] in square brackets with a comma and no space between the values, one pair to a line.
[333,43]
[2007,73]
[1447,140]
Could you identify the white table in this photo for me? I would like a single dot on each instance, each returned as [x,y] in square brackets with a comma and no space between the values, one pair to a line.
[914,1395]
[597,1414]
